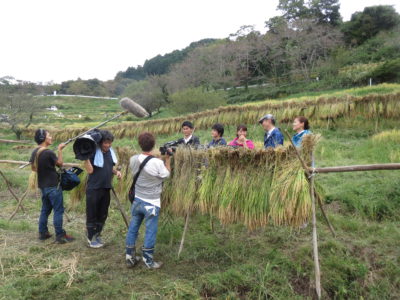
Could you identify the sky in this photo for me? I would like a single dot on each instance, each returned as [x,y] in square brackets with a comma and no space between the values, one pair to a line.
[58,40]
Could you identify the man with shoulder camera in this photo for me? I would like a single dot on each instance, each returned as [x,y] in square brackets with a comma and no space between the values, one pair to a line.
[100,168]
[150,172]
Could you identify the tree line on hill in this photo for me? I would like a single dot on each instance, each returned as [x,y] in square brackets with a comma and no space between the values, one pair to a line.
[307,46]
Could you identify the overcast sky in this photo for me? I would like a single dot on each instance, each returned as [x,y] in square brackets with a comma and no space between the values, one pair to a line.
[58,40]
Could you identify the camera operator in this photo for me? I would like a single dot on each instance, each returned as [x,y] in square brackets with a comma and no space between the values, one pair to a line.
[146,205]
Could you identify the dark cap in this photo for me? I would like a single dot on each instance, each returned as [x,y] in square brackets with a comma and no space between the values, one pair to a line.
[267,117]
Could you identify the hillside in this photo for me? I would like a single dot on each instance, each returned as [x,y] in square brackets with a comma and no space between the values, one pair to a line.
[226,261]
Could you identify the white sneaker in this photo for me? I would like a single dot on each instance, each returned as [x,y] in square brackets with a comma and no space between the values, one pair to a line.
[94,244]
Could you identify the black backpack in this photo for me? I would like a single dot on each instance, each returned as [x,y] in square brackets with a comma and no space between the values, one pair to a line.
[70,178]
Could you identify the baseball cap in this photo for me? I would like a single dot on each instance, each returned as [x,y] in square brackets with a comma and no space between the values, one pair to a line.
[266,117]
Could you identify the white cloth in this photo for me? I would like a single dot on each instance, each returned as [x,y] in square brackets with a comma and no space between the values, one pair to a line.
[270,132]
[154,167]
[187,139]
[99,159]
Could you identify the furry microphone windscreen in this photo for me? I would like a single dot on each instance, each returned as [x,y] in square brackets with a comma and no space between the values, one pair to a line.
[133,107]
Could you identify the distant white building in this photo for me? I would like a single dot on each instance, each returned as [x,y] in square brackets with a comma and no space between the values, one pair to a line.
[52,108]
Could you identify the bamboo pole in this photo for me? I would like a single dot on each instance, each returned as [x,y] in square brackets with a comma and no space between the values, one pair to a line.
[19,162]
[356,168]
[9,188]
[15,141]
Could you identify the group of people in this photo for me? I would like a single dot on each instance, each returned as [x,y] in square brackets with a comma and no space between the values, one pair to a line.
[148,171]
[273,136]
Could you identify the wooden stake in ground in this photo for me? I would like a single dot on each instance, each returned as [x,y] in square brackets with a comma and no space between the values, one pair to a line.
[19,204]
[9,188]
[184,233]
[315,240]
[309,171]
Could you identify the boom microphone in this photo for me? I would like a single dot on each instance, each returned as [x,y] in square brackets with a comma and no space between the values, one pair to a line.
[132,107]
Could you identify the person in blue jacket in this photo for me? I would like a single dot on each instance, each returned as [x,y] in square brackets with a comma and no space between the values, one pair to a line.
[302,128]
[273,136]
[217,131]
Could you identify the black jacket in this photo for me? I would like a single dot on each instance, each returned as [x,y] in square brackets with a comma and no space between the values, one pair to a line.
[194,141]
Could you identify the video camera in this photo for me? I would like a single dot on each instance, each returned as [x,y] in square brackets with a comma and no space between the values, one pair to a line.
[170,145]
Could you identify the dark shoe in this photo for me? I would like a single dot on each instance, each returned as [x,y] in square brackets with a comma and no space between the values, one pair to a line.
[44,235]
[62,239]
[132,260]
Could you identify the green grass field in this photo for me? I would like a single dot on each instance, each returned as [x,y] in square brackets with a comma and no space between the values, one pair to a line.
[220,262]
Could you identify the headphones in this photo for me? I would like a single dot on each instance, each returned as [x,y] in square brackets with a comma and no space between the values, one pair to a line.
[42,135]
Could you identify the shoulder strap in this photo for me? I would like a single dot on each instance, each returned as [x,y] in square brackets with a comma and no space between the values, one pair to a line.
[36,161]
[144,162]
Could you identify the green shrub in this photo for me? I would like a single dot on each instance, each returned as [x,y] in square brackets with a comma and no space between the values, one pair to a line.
[387,72]
[195,100]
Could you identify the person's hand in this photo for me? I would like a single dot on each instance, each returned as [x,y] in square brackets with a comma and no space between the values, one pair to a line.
[169,150]
[118,174]
[61,146]
[242,139]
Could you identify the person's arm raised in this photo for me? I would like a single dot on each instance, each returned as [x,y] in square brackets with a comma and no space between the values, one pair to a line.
[88,166]
[168,162]
[60,161]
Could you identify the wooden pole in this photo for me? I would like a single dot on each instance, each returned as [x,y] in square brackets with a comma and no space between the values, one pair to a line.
[356,168]
[315,240]
[9,188]
[184,233]
[120,208]
[19,204]
[18,162]
[309,171]
[15,141]
[332,230]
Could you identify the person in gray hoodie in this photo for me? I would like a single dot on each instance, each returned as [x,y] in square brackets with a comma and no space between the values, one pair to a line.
[150,172]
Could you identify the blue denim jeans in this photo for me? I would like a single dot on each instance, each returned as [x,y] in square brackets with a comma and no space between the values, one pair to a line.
[52,199]
[149,213]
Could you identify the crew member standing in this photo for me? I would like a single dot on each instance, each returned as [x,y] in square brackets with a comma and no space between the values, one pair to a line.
[150,173]
[44,161]
[100,169]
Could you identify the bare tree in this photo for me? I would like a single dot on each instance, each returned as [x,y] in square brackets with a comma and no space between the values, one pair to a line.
[17,110]
[148,93]
[309,44]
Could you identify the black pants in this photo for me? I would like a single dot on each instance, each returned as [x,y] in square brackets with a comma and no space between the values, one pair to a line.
[97,203]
